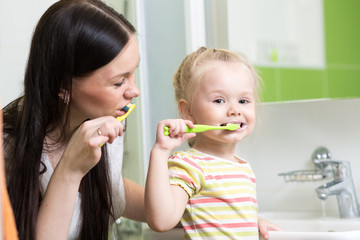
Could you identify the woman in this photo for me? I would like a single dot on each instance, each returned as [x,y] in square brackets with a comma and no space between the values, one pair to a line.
[79,76]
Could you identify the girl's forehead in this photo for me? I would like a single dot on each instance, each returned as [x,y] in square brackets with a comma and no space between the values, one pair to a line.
[226,70]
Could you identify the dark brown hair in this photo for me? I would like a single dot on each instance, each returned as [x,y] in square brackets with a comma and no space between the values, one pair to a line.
[73,38]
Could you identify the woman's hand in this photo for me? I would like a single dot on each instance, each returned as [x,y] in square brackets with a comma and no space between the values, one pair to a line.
[177,135]
[265,226]
[83,151]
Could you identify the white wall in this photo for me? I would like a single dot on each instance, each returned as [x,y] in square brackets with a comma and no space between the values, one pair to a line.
[284,141]
[17,22]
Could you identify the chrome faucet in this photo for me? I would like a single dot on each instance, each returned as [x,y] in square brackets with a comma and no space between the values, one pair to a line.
[342,185]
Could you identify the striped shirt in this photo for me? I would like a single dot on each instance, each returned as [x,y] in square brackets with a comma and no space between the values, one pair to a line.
[222,193]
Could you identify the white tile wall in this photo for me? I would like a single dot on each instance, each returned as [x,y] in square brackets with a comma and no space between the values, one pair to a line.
[17,22]
[284,139]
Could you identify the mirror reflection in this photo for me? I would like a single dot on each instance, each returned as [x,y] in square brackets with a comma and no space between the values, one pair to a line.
[304,49]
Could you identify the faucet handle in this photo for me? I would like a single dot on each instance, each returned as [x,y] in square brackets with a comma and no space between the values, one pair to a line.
[321,156]
[341,169]
[322,160]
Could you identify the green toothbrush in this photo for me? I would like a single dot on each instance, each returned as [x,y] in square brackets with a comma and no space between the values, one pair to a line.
[202,128]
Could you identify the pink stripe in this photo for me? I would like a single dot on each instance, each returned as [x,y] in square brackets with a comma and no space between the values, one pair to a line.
[194,157]
[186,178]
[218,225]
[192,163]
[189,162]
[218,177]
[203,158]
[216,200]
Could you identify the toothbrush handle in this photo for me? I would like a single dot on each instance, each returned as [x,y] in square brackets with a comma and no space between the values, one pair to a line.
[197,128]
[166,130]
[121,118]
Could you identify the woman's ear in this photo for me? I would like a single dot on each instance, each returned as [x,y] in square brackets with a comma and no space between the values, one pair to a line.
[184,110]
[64,95]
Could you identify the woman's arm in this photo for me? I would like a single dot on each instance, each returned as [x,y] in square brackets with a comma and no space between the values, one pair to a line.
[134,195]
[165,204]
[58,205]
[82,153]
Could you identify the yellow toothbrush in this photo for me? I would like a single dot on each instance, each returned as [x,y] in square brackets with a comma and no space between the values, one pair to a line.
[128,108]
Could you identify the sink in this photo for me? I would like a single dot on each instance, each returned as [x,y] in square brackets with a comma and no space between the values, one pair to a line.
[312,226]
[297,226]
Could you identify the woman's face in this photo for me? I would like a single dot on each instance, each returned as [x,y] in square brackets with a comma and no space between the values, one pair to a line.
[108,89]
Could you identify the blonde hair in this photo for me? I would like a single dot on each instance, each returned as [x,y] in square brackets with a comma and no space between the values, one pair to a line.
[194,66]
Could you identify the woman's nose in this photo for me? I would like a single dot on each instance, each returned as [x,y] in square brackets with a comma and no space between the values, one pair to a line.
[132,91]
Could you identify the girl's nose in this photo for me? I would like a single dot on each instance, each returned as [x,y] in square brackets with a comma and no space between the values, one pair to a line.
[234,110]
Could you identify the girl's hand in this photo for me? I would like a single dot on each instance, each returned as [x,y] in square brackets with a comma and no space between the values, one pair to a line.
[83,151]
[177,136]
[265,226]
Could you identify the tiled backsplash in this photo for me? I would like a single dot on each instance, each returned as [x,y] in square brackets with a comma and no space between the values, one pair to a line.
[284,139]
[340,77]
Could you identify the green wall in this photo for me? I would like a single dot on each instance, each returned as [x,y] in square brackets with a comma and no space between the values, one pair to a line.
[341,76]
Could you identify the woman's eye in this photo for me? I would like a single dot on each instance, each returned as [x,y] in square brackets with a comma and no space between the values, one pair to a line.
[243,101]
[120,83]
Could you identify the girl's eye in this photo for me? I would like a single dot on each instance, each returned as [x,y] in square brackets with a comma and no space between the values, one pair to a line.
[120,83]
[219,101]
[243,101]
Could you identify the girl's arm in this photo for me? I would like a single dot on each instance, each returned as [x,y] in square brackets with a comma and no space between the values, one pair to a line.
[164,203]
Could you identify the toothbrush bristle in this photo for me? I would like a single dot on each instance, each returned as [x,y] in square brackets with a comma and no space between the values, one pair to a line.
[127,107]
[233,126]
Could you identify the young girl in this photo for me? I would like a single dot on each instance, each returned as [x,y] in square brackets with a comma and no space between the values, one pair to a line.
[209,188]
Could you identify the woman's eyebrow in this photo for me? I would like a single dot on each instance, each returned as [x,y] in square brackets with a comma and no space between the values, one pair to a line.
[124,73]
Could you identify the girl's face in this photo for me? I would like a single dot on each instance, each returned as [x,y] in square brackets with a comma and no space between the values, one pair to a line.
[108,89]
[225,94]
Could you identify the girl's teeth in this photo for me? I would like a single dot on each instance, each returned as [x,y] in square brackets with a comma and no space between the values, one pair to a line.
[241,125]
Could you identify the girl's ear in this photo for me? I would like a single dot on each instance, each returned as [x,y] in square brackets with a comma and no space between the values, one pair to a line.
[184,110]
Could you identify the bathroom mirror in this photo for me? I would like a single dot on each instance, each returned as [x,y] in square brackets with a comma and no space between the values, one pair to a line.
[276,33]
[304,49]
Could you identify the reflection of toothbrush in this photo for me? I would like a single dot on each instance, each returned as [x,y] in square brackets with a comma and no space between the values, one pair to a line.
[202,128]
[128,108]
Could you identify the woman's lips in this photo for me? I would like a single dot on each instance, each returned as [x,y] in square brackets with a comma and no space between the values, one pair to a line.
[120,112]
